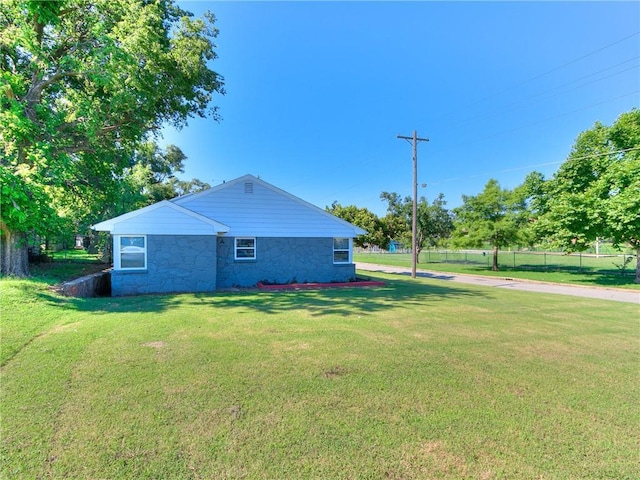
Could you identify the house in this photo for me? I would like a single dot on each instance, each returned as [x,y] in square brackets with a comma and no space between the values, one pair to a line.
[236,234]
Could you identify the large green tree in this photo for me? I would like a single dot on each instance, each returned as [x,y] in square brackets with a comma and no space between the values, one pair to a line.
[82,83]
[434,221]
[397,221]
[152,177]
[596,192]
[363,218]
[496,216]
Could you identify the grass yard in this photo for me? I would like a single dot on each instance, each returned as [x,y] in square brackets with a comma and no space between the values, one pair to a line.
[559,269]
[417,379]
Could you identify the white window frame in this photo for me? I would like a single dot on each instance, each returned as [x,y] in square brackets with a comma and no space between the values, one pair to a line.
[117,252]
[348,250]
[236,248]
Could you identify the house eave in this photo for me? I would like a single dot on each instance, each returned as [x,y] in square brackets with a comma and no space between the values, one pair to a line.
[112,225]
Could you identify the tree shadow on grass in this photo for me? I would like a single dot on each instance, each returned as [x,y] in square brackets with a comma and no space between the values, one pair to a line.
[573,275]
[615,280]
[583,275]
[346,301]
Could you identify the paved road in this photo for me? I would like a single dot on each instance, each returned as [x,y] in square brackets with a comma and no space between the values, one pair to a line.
[615,294]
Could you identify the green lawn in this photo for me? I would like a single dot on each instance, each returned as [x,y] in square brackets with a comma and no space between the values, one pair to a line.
[417,379]
[588,271]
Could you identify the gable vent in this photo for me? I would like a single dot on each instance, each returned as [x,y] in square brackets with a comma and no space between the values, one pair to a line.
[248,187]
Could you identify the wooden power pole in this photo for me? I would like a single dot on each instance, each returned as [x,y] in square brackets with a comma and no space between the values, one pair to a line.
[414,218]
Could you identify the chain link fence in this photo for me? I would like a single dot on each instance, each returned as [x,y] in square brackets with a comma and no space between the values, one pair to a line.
[526,259]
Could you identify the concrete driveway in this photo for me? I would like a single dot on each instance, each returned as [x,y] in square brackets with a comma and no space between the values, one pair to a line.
[602,293]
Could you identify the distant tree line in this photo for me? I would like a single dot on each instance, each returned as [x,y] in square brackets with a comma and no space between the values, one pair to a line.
[595,194]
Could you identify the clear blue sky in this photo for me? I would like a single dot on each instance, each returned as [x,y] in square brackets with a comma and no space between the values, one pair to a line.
[318,91]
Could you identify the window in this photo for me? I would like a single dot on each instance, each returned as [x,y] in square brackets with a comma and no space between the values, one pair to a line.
[341,250]
[131,252]
[245,249]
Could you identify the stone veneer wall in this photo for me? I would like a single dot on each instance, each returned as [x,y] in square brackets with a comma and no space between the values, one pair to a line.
[175,263]
[281,260]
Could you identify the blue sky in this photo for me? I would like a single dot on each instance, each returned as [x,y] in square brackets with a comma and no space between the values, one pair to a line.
[318,91]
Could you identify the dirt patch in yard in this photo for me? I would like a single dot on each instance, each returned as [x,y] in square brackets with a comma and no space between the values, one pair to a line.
[156,345]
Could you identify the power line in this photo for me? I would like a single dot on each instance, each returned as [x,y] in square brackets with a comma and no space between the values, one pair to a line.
[546,94]
[526,167]
[533,96]
[591,75]
[574,61]
[538,122]
[548,72]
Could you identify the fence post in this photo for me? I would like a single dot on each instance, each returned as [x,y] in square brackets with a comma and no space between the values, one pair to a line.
[514,259]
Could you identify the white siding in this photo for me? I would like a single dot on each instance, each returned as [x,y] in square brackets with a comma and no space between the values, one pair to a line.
[244,207]
[163,221]
[266,212]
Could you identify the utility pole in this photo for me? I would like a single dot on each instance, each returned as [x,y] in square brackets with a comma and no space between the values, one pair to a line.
[414,219]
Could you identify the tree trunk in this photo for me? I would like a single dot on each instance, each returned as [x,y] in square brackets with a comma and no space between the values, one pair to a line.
[494,265]
[637,266]
[14,258]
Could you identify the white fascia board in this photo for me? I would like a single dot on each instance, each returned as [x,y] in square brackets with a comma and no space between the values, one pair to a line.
[110,225]
[106,226]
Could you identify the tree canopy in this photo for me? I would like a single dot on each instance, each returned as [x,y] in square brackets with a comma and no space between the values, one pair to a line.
[152,178]
[83,82]
[495,216]
[363,218]
[596,192]
[434,221]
